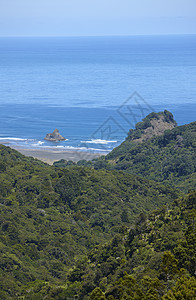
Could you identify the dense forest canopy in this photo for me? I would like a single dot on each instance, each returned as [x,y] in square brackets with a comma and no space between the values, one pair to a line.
[150,151]
[120,227]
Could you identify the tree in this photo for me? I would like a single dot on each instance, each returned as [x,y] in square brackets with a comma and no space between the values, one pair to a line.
[97,294]
[169,267]
[184,289]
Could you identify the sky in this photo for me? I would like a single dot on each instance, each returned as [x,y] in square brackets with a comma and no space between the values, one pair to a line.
[96,17]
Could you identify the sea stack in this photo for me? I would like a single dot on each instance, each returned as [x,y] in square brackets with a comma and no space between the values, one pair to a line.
[54,137]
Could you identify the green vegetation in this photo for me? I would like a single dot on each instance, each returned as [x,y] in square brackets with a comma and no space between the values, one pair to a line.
[85,231]
[169,158]
[154,259]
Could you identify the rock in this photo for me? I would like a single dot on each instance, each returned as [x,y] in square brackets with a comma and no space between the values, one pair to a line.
[55,136]
[153,125]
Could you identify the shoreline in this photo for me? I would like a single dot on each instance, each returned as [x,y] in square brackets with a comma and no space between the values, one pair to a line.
[49,156]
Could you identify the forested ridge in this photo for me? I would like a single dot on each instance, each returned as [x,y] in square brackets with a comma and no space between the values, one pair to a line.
[154,259]
[169,158]
[89,232]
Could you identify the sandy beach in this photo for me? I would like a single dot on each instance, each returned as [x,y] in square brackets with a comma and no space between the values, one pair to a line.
[49,156]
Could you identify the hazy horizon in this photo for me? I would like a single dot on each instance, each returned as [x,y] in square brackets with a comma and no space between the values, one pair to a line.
[107,35]
[96,18]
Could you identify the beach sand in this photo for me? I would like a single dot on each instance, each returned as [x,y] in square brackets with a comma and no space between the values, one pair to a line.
[49,156]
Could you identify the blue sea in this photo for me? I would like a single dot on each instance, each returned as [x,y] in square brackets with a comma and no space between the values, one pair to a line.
[93,89]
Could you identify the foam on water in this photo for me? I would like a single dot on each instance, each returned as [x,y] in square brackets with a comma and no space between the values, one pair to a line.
[98,141]
[9,139]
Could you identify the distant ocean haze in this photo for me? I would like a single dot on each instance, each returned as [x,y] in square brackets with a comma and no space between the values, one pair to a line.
[78,85]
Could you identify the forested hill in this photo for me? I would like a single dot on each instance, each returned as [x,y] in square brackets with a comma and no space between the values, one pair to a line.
[154,259]
[83,233]
[157,149]
[51,216]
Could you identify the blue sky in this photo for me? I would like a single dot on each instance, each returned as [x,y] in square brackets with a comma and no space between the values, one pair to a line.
[96,17]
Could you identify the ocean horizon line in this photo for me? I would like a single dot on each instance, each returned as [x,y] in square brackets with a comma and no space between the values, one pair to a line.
[95,36]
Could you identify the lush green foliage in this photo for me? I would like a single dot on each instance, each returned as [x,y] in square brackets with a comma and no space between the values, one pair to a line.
[169,158]
[92,231]
[155,259]
[52,216]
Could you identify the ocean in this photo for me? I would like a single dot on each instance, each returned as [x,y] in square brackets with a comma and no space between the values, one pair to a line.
[93,89]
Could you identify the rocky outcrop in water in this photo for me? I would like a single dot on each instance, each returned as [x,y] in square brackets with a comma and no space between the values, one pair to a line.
[54,137]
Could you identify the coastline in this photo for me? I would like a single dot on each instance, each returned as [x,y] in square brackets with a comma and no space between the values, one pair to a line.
[49,156]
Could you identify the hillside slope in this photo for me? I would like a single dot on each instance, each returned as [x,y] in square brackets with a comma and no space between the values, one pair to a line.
[51,216]
[167,156]
[154,259]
